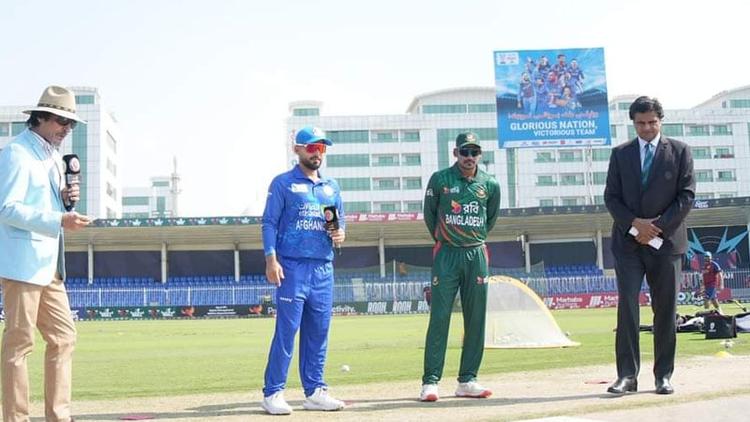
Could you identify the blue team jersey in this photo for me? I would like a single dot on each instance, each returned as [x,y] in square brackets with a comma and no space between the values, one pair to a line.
[293,223]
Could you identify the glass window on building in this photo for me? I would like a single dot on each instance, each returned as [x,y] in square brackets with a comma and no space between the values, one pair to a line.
[410,136]
[385,160]
[381,136]
[701,153]
[85,99]
[390,183]
[482,108]
[613,131]
[545,180]
[413,206]
[444,109]
[4,129]
[135,215]
[725,176]
[697,130]
[546,202]
[17,127]
[598,199]
[412,183]
[304,112]
[135,201]
[631,132]
[672,129]
[488,157]
[739,103]
[387,207]
[704,195]
[727,194]
[600,154]
[354,183]
[623,106]
[357,206]
[720,130]
[723,152]
[411,159]
[571,201]
[599,178]
[570,155]
[349,136]
[484,134]
[161,204]
[348,160]
[544,157]
[570,179]
[704,176]
[160,183]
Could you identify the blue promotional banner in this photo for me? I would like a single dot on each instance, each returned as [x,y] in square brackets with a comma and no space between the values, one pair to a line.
[551,98]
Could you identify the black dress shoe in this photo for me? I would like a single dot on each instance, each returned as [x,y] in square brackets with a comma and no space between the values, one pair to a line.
[664,386]
[623,385]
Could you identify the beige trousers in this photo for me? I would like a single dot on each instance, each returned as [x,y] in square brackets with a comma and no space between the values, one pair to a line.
[45,307]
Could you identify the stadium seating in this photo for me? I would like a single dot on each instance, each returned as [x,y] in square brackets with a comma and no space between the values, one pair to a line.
[130,291]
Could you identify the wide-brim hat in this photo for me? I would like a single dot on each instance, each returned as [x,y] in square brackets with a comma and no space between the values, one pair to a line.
[59,101]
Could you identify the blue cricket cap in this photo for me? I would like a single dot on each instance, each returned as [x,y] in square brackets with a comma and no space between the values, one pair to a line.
[310,135]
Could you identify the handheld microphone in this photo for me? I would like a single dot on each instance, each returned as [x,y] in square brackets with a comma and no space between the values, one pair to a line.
[72,175]
[331,215]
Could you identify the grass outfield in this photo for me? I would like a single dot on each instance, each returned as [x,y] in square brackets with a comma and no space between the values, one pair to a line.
[118,359]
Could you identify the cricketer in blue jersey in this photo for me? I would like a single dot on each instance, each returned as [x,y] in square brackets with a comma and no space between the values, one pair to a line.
[298,245]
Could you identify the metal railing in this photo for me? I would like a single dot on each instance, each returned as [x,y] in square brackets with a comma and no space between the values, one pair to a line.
[347,292]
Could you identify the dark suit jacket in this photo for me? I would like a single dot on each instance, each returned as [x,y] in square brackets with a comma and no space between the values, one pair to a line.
[668,195]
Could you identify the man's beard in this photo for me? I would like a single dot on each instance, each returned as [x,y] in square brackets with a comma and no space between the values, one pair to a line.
[310,164]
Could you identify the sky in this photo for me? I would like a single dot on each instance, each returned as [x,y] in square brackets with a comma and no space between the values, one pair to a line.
[209,82]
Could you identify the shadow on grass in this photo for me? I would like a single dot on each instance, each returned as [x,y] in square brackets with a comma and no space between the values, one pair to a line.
[247,409]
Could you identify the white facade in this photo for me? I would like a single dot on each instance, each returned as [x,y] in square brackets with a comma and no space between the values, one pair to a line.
[160,199]
[95,143]
[384,162]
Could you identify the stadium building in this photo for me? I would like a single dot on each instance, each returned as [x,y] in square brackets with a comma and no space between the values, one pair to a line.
[95,143]
[158,200]
[383,162]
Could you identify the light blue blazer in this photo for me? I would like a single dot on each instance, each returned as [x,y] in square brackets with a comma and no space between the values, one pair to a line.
[31,208]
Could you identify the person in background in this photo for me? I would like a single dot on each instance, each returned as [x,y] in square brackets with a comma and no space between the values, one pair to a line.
[713,281]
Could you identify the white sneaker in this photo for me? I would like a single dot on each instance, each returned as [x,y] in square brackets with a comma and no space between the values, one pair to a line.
[429,392]
[275,404]
[472,389]
[320,400]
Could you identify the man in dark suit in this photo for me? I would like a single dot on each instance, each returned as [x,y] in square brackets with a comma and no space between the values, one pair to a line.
[649,193]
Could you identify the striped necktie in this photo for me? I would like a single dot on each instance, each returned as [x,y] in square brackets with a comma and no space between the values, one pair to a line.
[648,158]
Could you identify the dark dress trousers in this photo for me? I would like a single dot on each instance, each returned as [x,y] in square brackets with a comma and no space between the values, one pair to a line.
[667,196]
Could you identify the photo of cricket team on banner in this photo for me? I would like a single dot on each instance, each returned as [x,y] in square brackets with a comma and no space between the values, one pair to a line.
[551,98]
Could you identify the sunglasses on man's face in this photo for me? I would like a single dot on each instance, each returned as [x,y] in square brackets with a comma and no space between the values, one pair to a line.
[313,148]
[64,121]
[469,152]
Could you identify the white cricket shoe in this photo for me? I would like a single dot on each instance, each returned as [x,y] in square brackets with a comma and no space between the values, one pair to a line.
[472,389]
[429,392]
[275,404]
[320,400]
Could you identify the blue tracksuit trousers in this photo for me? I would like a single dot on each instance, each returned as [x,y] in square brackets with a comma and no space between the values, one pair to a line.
[304,301]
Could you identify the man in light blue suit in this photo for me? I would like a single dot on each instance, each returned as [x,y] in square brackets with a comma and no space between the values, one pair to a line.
[33,203]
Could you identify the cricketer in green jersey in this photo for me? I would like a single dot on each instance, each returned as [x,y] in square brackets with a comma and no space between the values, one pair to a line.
[460,208]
